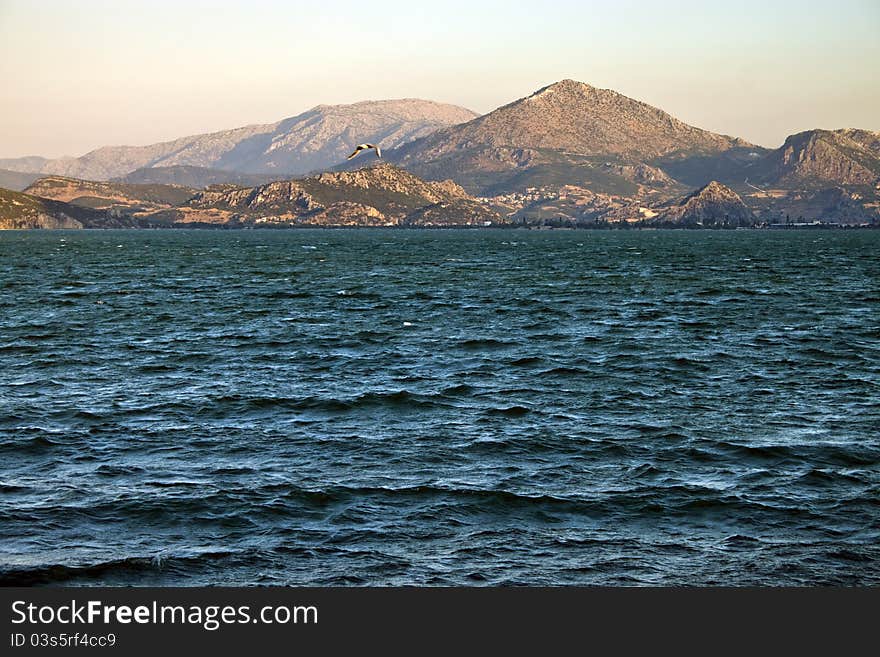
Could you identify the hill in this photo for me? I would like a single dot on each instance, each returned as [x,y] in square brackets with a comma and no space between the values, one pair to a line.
[711,205]
[566,133]
[24,211]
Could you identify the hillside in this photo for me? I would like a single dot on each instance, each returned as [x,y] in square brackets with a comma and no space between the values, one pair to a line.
[317,139]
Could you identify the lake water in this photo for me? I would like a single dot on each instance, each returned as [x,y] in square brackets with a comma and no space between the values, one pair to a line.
[478,407]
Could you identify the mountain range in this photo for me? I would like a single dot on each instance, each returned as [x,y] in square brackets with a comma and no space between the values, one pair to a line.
[569,153]
[310,141]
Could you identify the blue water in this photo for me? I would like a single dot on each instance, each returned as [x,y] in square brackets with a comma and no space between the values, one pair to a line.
[440,407]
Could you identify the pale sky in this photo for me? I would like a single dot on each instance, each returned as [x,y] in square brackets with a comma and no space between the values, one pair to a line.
[80,74]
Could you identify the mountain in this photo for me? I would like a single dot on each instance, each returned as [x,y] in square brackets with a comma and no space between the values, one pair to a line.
[824,175]
[22,211]
[712,205]
[16,180]
[819,158]
[314,140]
[566,133]
[379,195]
[195,177]
[29,164]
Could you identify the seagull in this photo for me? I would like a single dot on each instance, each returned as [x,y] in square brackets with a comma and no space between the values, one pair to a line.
[363,147]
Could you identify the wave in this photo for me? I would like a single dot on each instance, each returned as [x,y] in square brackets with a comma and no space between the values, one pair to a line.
[526,361]
[32,444]
[509,411]
[484,343]
[237,404]
[126,569]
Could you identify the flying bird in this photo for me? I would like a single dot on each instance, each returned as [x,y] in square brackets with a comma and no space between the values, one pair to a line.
[363,147]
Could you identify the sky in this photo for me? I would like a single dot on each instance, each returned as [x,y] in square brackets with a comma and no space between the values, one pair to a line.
[80,74]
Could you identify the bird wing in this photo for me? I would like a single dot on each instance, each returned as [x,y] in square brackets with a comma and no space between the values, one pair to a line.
[378,152]
[356,151]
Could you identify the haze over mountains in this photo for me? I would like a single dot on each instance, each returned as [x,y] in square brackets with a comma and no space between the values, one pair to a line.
[569,153]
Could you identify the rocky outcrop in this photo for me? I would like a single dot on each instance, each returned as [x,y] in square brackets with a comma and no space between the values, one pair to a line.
[378,195]
[388,179]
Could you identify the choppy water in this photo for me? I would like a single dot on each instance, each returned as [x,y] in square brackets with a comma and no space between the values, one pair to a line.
[440,407]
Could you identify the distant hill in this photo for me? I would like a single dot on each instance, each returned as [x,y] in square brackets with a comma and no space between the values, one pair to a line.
[16,180]
[194,177]
[23,211]
[566,133]
[314,140]
[378,195]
